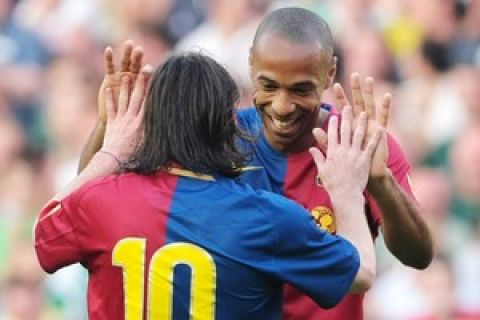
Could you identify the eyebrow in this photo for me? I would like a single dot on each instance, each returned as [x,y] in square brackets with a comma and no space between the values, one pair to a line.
[304,85]
[266,79]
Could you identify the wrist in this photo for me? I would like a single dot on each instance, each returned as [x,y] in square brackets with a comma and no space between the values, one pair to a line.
[378,183]
[107,162]
[347,203]
[350,196]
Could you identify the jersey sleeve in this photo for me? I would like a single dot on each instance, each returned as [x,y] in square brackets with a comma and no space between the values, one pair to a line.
[399,166]
[249,121]
[321,265]
[56,240]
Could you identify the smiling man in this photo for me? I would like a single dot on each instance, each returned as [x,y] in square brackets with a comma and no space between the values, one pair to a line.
[290,73]
[291,64]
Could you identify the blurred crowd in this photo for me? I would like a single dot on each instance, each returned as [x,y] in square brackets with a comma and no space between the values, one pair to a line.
[426,53]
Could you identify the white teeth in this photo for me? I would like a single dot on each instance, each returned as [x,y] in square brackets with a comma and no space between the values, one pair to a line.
[279,124]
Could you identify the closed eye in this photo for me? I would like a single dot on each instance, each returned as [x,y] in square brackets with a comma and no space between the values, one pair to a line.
[301,92]
[267,84]
[302,89]
[269,87]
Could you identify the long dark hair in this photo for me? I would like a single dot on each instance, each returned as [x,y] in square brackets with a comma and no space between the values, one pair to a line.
[189,119]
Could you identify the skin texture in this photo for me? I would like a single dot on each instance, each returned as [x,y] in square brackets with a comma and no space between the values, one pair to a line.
[289,80]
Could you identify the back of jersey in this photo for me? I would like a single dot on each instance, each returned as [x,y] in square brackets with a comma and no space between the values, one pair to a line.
[174,247]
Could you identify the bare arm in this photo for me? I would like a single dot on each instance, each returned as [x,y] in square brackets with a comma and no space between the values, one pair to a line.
[344,174]
[94,144]
[406,233]
[356,230]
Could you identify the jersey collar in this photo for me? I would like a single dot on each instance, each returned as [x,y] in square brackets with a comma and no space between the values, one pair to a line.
[190,174]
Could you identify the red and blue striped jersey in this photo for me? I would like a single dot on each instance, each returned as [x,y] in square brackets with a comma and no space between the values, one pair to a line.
[181,246]
[293,176]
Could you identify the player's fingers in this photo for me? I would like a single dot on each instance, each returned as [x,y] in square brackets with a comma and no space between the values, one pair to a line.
[136,60]
[346,126]
[332,134]
[126,56]
[318,158]
[110,106]
[123,96]
[108,61]
[384,113]
[320,138]
[147,72]
[138,95]
[357,94]
[141,111]
[374,141]
[340,96]
[360,131]
[369,98]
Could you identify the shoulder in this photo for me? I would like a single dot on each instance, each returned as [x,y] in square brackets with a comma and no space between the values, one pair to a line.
[107,185]
[271,204]
[285,214]
[249,119]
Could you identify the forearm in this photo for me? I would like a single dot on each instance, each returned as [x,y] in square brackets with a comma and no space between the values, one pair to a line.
[101,164]
[352,224]
[405,232]
[94,143]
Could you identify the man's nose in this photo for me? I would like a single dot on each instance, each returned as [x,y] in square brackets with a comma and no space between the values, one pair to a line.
[282,106]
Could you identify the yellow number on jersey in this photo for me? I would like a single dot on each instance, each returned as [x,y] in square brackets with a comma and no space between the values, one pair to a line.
[129,254]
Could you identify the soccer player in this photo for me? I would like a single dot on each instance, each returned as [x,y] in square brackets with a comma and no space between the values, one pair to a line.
[292,63]
[166,232]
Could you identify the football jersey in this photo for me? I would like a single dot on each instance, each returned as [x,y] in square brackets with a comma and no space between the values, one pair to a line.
[293,176]
[176,245]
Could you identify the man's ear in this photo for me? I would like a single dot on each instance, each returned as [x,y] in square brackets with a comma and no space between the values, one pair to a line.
[250,63]
[332,72]
[250,56]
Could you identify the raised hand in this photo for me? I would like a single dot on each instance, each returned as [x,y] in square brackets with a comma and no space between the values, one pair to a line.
[345,167]
[364,101]
[130,65]
[124,118]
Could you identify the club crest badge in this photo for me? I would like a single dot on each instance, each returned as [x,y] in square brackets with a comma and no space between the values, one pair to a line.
[324,218]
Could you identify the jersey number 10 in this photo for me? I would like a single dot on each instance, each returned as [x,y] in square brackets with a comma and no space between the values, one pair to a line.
[129,254]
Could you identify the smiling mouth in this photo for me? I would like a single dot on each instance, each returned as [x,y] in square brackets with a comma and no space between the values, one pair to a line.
[283,125]
[279,124]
